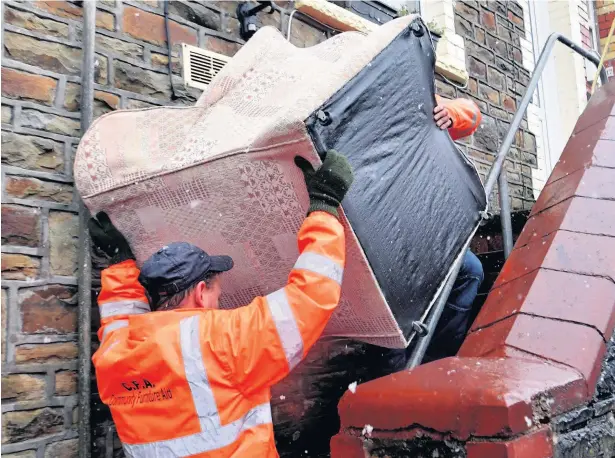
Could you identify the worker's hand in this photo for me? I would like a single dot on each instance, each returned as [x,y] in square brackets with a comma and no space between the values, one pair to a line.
[442,117]
[328,185]
[111,241]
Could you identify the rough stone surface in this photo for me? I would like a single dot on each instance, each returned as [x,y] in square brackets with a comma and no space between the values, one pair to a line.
[31,424]
[141,81]
[7,114]
[65,449]
[198,14]
[19,267]
[69,10]
[3,336]
[34,23]
[215,44]
[50,122]
[23,387]
[66,383]
[44,54]
[104,102]
[63,237]
[51,309]
[118,47]
[32,188]
[20,226]
[46,353]
[596,439]
[146,26]
[16,84]
[34,153]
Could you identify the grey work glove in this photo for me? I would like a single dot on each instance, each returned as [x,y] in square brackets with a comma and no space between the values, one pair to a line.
[328,185]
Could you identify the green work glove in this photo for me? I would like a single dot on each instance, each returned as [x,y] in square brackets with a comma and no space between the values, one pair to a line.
[111,241]
[328,185]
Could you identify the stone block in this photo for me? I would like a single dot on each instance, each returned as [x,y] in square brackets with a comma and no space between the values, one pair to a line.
[44,54]
[115,46]
[304,35]
[65,449]
[149,27]
[162,61]
[32,188]
[463,27]
[215,44]
[476,68]
[31,424]
[509,103]
[480,52]
[19,267]
[23,387]
[68,10]
[486,136]
[495,78]
[104,102]
[63,241]
[487,20]
[50,122]
[134,104]
[33,153]
[66,383]
[21,226]
[7,114]
[49,309]
[467,11]
[488,93]
[46,353]
[4,331]
[26,86]
[196,13]
[136,79]
[34,23]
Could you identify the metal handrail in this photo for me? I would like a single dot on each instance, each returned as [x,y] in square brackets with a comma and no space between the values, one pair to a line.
[498,173]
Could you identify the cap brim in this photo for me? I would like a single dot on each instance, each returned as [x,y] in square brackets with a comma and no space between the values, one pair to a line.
[221,263]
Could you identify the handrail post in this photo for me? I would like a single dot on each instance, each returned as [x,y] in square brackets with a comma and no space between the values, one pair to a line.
[85,261]
[505,220]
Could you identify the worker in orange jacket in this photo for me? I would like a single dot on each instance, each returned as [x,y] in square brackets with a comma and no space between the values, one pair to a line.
[461,117]
[188,379]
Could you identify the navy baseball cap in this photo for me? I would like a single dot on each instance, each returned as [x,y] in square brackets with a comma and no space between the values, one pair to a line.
[176,267]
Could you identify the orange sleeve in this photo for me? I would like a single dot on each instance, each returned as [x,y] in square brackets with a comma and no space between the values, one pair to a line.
[268,338]
[465,115]
[121,295]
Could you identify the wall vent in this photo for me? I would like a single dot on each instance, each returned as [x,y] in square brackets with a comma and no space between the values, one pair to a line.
[199,66]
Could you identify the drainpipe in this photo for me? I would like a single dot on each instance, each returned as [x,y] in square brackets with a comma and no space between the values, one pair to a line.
[85,262]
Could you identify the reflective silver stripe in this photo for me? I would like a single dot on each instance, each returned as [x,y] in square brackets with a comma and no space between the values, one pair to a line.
[196,374]
[201,442]
[213,435]
[321,265]
[113,326]
[287,328]
[109,309]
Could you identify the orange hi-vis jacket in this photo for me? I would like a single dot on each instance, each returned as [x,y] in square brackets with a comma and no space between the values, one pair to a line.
[196,382]
[465,115]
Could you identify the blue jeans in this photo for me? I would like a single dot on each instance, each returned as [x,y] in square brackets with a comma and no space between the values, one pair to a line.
[455,319]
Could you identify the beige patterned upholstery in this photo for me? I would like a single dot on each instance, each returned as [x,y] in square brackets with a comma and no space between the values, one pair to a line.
[221,174]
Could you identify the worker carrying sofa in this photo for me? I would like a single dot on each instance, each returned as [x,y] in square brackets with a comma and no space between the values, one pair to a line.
[189,379]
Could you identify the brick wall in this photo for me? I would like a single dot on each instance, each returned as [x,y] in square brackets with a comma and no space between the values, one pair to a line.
[40,130]
[492,33]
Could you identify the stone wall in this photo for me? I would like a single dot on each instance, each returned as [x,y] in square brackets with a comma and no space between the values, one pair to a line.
[41,68]
[492,33]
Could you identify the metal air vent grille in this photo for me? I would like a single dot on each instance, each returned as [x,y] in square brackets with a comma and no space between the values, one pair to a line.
[200,66]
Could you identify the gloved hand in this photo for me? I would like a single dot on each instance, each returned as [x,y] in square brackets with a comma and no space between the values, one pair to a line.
[111,241]
[328,185]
